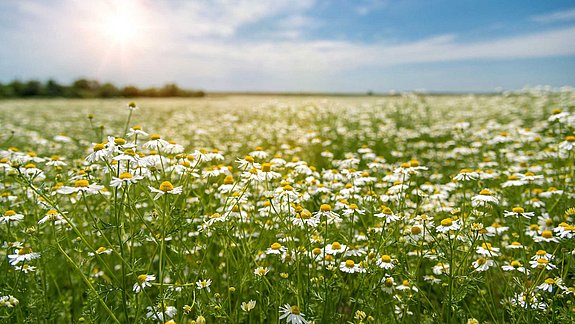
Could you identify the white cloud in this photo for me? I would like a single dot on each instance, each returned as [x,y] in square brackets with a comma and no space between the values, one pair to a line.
[197,44]
[553,17]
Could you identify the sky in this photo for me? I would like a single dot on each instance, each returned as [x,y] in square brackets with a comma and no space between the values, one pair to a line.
[292,45]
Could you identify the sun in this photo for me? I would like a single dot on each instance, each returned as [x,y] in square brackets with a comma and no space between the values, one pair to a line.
[120,28]
[122,25]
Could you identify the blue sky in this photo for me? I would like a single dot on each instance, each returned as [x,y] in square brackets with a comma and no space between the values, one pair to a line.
[293,45]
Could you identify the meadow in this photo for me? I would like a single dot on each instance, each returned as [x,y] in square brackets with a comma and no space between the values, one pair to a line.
[255,209]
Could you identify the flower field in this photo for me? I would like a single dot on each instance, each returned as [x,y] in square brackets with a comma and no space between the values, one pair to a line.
[400,209]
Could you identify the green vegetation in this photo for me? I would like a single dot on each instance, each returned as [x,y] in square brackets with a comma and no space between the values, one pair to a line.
[84,88]
[406,209]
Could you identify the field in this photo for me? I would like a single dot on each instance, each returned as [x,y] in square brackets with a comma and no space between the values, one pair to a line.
[254,209]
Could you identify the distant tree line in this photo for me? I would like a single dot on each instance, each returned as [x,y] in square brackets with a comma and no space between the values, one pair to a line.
[85,88]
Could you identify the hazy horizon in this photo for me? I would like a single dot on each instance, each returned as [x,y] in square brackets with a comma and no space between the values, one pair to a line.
[292,46]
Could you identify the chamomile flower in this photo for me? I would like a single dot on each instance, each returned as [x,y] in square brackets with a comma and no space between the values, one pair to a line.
[518,212]
[387,214]
[550,284]
[292,314]
[349,266]
[166,187]
[448,224]
[81,186]
[160,313]
[23,254]
[247,163]
[204,284]
[305,219]
[125,179]
[259,153]
[11,216]
[515,266]
[101,250]
[99,153]
[466,175]
[155,143]
[388,284]
[26,268]
[546,236]
[9,301]
[542,263]
[142,282]
[261,271]
[568,143]
[482,264]
[54,216]
[487,250]
[173,148]
[386,262]
[247,307]
[441,268]
[406,285]
[136,130]
[331,216]
[335,248]
[276,248]
[484,198]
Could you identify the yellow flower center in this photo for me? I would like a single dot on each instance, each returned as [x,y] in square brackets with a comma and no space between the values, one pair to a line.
[518,210]
[481,261]
[335,246]
[154,137]
[325,208]
[447,222]
[166,186]
[415,230]
[101,249]
[486,246]
[549,281]
[276,246]
[316,251]
[249,159]
[82,183]
[126,175]
[99,147]
[547,234]
[295,310]
[570,138]
[540,252]
[229,179]
[349,263]
[515,264]
[24,250]
[119,141]
[9,213]
[142,278]
[388,282]
[30,166]
[386,258]
[485,192]
[266,167]
[305,214]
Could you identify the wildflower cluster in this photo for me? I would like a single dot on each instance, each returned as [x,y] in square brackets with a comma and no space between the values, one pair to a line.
[366,213]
